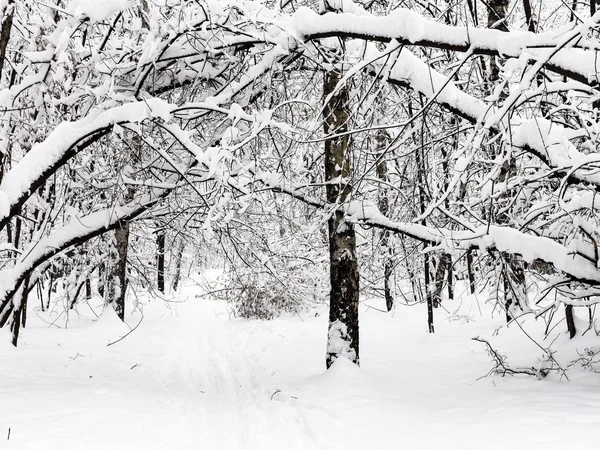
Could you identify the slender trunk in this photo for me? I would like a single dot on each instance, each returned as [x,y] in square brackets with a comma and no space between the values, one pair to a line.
[443,274]
[429,295]
[450,279]
[160,258]
[40,293]
[50,284]
[102,278]
[178,263]
[470,272]
[421,180]
[122,243]
[343,337]
[570,321]
[384,207]
[529,19]
[17,239]
[7,15]
[512,269]
[19,312]
[24,303]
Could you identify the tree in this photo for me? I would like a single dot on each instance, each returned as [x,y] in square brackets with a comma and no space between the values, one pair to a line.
[193,89]
[343,336]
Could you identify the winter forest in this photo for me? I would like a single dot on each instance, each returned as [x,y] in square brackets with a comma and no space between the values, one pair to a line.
[312,224]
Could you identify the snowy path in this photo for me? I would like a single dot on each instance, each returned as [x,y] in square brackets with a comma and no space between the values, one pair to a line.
[198,380]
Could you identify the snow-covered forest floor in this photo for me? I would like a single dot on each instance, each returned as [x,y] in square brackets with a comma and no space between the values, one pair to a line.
[191,377]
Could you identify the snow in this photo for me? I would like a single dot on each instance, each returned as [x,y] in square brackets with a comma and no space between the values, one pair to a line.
[40,249]
[408,26]
[17,182]
[339,342]
[98,10]
[191,377]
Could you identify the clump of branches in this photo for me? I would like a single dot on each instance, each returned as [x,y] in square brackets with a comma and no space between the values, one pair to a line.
[501,367]
[589,359]
[253,296]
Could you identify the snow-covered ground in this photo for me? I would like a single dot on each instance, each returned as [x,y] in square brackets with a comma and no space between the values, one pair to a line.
[190,377]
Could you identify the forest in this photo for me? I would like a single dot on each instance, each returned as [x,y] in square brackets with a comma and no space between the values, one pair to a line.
[432,164]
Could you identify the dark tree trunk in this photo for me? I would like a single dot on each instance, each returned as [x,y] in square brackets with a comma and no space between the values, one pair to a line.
[160,260]
[343,337]
[122,243]
[570,321]
[450,279]
[428,295]
[102,279]
[178,263]
[421,181]
[470,273]
[7,14]
[50,284]
[497,20]
[529,19]
[88,289]
[19,313]
[17,238]
[513,270]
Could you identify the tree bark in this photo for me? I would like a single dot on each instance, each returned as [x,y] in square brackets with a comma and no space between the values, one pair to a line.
[384,207]
[512,269]
[19,312]
[443,275]
[529,19]
[5,29]
[570,321]
[178,263]
[343,336]
[160,260]
[421,180]
[122,244]
[470,272]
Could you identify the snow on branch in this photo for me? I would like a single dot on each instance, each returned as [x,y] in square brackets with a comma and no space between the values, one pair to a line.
[546,140]
[410,27]
[79,230]
[63,142]
[504,239]
[487,238]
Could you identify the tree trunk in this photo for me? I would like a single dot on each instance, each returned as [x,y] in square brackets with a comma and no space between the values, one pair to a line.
[470,272]
[122,243]
[421,181]
[513,270]
[160,260]
[450,280]
[384,207]
[529,19]
[443,274]
[7,14]
[343,337]
[570,321]
[88,289]
[18,319]
[178,263]
[428,295]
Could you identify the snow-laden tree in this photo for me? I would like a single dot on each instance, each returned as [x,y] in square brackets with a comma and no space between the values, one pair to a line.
[110,112]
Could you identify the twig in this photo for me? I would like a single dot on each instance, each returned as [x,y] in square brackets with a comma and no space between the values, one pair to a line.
[127,334]
[502,368]
[277,391]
